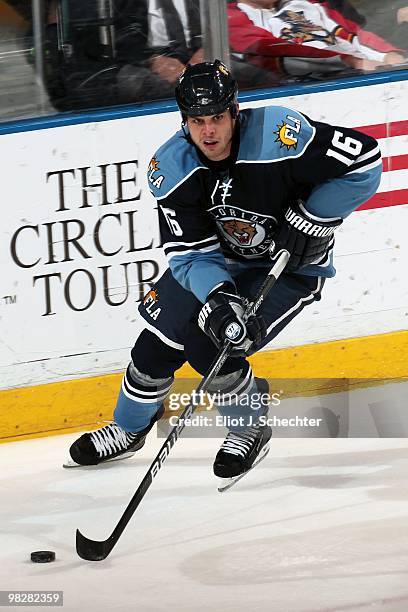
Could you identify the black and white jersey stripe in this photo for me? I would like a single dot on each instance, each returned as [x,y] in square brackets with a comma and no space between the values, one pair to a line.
[315,217]
[174,187]
[367,161]
[287,316]
[183,248]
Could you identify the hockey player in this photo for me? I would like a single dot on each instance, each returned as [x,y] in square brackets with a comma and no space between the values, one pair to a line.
[233,188]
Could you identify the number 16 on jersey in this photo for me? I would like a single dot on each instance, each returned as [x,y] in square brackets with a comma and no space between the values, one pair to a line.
[344,145]
[173,224]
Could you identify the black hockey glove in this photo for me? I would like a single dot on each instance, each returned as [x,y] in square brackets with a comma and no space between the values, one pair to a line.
[221,318]
[306,237]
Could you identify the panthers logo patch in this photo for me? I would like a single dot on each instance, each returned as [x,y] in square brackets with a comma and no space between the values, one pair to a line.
[241,231]
[300,30]
[244,232]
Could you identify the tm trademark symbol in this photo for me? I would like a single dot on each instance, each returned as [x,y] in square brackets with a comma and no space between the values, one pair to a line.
[10,299]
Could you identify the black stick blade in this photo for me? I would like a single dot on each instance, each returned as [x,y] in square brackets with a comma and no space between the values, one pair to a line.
[91,550]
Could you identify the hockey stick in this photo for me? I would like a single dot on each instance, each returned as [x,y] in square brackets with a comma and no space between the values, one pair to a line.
[94,550]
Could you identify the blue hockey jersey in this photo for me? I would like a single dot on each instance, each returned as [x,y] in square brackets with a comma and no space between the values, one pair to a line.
[215,213]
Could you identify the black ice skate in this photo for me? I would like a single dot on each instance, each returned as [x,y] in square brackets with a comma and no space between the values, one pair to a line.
[241,452]
[110,443]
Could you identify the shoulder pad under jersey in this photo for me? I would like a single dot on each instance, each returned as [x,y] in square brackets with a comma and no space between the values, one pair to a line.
[171,165]
[273,133]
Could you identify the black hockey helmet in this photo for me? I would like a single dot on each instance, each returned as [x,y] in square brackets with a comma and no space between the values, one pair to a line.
[206,89]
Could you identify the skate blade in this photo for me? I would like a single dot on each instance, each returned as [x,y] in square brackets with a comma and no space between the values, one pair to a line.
[227,483]
[70,463]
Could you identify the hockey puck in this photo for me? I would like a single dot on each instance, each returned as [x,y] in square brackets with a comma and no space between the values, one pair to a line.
[42,556]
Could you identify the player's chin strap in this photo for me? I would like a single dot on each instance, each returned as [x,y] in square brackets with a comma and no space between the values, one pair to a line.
[185,131]
[94,550]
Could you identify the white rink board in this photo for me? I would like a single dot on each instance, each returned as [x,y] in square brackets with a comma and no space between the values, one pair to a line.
[72,330]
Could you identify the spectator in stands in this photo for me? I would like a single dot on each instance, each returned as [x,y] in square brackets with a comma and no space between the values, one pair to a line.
[402,15]
[152,42]
[387,19]
[172,38]
[303,37]
[348,11]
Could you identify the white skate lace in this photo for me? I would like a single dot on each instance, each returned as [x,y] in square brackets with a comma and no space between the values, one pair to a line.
[240,443]
[111,439]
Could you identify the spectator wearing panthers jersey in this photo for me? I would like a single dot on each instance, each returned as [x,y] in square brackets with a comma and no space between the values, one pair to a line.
[303,37]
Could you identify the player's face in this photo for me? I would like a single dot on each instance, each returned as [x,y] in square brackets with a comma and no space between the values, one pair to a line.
[212,134]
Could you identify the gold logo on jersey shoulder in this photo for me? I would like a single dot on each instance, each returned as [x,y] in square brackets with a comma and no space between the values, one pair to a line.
[153,168]
[149,302]
[287,132]
[151,296]
[154,165]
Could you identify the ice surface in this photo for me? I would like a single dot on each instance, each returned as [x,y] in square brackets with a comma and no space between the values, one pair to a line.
[320,525]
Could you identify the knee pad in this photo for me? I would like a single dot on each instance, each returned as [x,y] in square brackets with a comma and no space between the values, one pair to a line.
[140,401]
[154,358]
[143,388]
[229,388]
